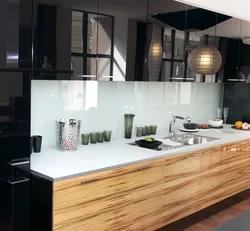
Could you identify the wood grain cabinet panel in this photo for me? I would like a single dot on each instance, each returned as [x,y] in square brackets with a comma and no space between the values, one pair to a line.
[149,195]
[212,177]
[181,183]
[85,203]
[139,197]
[238,167]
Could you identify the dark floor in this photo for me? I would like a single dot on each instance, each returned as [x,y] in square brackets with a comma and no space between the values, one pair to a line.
[221,217]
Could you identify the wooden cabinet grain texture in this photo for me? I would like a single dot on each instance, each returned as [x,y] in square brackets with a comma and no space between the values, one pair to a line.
[149,195]
[212,177]
[181,182]
[238,167]
[139,196]
[194,181]
[85,203]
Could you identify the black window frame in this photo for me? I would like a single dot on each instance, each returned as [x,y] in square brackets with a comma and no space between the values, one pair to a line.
[172,60]
[85,55]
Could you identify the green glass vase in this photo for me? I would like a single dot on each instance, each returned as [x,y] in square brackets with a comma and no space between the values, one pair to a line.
[128,125]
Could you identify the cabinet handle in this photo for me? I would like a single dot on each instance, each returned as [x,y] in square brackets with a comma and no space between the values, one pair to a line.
[197,154]
[210,151]
[18,181]
[19,163]
[244,143]
[90,181]
[143,168]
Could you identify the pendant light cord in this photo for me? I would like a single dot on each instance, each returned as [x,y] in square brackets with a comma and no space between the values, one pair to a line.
[147,11]
[238,58]
[215,38]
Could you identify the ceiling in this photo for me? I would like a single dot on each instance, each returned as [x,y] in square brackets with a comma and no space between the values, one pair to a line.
[137,9]
[192,20]
[129,8]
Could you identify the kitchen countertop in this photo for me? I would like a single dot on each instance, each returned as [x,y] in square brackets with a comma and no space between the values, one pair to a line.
[56,165]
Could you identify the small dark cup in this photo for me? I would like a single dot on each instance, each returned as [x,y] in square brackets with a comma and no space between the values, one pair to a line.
[144,132]
[37,143]
[147,130]
[107,135]
[153,129]
[85,139]
[100,137]
[93,137]
[139,132]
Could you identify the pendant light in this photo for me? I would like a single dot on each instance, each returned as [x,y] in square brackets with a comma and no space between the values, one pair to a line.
[206,59]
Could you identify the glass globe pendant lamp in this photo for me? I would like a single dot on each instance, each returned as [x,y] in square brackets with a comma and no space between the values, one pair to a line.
[205,60]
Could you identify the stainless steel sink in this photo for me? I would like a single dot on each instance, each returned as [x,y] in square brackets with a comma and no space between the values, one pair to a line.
[190,139]
[195,140]
[162,147]
[179,141]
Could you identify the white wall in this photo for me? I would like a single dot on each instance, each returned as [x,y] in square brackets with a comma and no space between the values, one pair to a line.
[237,9]
[232,28]
[101,105]
[120,48]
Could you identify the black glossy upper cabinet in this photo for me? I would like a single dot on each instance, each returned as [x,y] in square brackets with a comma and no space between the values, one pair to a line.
[140,40]
[123,40]
[238,52]
[16,20]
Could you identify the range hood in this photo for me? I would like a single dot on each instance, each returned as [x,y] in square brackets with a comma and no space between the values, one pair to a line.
[191,20]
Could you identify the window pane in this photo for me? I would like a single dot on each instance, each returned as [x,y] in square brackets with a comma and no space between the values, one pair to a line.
[178,69]
[178,72]
[179,45]
[92,34]
[190,73]
[166,71]
[104,35]
[77,65]
[167,44]
[91,67]
[103,70]
[104,26]
[77,39]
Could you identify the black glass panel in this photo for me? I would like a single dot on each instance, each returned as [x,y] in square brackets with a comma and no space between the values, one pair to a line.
[236,98]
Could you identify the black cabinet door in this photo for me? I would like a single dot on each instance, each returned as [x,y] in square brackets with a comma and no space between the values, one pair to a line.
[16,26]
[15,204]
[14,152]
[21,203]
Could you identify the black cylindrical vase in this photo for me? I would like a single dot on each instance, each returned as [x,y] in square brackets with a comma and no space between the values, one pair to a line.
[37,143]
[128,125]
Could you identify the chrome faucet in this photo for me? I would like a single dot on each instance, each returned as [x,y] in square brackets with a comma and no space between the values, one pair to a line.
[171,125]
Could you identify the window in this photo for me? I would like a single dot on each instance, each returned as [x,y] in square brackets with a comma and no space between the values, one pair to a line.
[92,52]
[175,56]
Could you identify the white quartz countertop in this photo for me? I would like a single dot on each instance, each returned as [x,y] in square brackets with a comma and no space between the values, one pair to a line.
[56,165]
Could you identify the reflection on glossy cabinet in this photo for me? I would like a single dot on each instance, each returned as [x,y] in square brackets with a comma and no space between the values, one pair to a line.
[238,167]
[139,196]
[85,203]
[150,195]
[181,182]
[212,177]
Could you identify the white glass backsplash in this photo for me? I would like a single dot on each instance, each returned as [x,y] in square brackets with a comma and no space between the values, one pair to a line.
[101,105]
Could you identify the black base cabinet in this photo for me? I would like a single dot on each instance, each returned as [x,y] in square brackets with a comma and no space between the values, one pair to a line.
[41,204]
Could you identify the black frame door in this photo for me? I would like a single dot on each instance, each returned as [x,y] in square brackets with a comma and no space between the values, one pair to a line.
[16,64]
[85,55]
